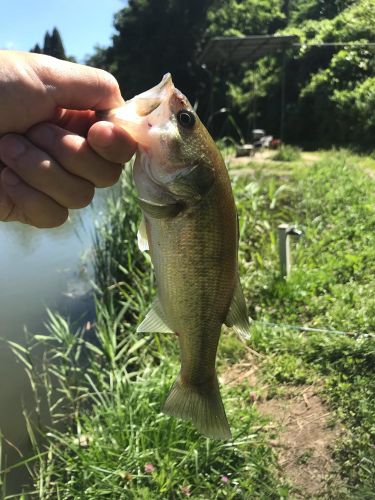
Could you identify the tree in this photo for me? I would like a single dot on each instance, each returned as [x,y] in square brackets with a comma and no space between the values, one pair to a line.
[325,85]
[244,17]
[155,37]
[56,46]
[331,81]
[53,46]
[36,49]
[328,89]
[301,10]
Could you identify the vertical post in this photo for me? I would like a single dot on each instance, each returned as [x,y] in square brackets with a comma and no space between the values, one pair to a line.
[254,98]
[285,254]
[282,117]
[284,250]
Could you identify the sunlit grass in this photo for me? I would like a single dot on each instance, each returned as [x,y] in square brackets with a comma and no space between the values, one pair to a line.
[105,385]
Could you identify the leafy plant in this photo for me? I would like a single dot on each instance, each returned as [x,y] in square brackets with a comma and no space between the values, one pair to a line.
[287,153]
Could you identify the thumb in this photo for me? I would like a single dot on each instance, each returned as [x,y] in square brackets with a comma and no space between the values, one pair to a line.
[75,86]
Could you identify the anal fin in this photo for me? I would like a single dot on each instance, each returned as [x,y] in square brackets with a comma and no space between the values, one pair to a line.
[154,320]
[237,317]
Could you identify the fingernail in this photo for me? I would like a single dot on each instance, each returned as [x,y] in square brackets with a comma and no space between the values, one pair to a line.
[10,178]
[12,147]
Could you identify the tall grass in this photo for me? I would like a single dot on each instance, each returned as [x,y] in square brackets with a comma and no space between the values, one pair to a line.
[105,387]
[109,382]
[332,286]
[287,153]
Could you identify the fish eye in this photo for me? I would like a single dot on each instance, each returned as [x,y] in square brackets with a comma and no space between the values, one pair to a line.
[186,118]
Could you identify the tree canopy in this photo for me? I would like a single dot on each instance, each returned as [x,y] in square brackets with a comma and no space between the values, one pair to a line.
[53,46]
[329,90]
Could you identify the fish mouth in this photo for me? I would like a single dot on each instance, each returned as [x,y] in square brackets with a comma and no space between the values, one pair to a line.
[145,112]
[143,104]
[150,100]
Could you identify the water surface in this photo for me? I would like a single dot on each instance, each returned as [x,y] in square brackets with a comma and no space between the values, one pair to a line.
[38,269]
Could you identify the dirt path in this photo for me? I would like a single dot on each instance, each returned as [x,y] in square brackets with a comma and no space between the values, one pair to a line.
[305,438]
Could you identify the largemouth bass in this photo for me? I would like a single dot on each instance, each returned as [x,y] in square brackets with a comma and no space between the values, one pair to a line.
[190,228]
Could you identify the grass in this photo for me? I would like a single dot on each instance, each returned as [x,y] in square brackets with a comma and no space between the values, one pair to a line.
[109,383]
[332,286]
[287,153]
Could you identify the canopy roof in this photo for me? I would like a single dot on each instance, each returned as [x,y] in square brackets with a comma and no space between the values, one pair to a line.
[247,48]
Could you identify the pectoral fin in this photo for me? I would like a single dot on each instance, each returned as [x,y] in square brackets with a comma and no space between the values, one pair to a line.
[142,236]
[237,317]
[159,210]
[192,182]
[154,321]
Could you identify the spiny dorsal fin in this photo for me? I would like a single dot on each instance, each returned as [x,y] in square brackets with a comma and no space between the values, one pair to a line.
[154,321]
[237,317]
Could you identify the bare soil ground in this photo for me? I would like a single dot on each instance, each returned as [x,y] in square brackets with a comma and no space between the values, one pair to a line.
[305,437]
[266,155]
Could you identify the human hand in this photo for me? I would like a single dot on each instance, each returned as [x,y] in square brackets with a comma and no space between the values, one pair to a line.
[53,151]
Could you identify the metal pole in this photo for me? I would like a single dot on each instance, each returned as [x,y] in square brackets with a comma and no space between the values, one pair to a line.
[282,117]
[254,99]
[284,250]
[285,254]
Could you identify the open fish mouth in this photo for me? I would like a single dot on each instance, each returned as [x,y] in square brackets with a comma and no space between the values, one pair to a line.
[144,111]
[150,100]
[142,104]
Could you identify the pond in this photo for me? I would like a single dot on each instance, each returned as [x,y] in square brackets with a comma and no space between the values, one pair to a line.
[39,269]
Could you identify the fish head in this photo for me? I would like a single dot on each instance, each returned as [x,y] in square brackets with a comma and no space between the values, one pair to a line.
[172,141]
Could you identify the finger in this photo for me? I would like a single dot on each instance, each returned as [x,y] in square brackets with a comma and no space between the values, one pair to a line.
[28,205]
[77,121]
[40,171]
[75,86]
[111,142]
[75,155]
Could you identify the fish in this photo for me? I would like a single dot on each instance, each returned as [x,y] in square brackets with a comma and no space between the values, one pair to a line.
[190,228]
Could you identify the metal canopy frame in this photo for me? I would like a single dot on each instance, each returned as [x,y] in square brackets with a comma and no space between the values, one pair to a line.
[248,48]
[225,50]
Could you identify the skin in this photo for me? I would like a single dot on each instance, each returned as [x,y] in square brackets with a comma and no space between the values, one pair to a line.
[53,150]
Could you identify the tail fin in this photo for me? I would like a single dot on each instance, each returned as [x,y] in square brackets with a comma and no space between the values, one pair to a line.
[202,405]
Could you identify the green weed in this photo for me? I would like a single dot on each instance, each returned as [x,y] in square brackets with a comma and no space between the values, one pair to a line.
[106,385]
[287,153]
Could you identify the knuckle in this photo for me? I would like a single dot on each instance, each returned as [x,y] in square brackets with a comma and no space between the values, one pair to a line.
[45,166]
[107,79]
[110,177]
[42,134]
[55,219]
[61,217]
[84,196]
[37,129]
